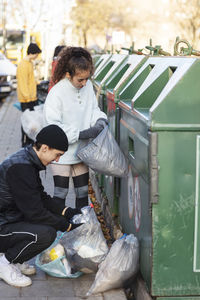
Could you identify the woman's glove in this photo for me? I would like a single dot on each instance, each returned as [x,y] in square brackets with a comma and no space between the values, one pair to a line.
[92,132]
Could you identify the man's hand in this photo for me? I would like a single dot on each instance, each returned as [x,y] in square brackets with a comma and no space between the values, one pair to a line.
[70,212]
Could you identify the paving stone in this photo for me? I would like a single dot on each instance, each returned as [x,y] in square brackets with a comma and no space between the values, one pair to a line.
[87,277]
[117,294]
[63,298]
[8,291]
[40,275]
[25,298]
[76,298]
[81,287]
[53,288]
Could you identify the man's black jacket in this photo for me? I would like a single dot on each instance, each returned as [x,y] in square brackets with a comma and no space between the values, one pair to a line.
[22,196]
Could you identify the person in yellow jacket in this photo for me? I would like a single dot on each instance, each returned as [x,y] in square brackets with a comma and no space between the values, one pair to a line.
[26,84]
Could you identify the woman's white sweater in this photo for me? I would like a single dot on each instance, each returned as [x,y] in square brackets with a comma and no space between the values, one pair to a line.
[73,110]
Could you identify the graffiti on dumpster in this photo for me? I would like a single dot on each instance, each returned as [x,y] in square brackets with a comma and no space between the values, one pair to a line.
[137,203]
[130,193]
[134,200]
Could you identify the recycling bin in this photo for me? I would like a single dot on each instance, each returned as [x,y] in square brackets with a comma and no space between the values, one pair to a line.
[102,74]
[159,199]
[104,58]
[96,60]
[101,69]
[106,69]
[113,85]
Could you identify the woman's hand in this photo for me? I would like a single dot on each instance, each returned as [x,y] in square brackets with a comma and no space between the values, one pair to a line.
[92,132]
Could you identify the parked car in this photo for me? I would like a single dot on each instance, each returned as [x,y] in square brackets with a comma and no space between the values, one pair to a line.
[7,76]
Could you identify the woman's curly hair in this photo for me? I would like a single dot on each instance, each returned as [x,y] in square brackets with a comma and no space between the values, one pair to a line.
[71,59]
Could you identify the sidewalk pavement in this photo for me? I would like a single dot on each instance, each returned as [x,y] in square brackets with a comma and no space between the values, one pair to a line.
[44,287]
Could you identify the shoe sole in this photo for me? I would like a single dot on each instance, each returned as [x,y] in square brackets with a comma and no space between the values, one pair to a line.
[18,286]
[29,273]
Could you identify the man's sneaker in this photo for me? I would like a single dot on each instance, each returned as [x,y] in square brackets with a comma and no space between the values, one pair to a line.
[26,269]
[12,275]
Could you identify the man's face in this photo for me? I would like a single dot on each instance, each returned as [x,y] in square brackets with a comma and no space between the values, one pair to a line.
[34,56]
[80,79]
[48,155]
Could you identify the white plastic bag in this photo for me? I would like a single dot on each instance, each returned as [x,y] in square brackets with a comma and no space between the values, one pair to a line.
[121,263]
[85,247]
[88,216]
[32,121]
[103,155]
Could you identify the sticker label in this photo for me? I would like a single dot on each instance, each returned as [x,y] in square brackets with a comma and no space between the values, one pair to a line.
[134,200]
[130,194]
[137,203]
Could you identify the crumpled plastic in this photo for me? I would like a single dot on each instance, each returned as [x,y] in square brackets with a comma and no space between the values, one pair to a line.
[59,267]
[87,216]
[32,121]
[104,155]
[121,263]
[85,247]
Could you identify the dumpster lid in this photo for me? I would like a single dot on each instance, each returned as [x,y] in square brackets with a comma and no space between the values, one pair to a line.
[170,93]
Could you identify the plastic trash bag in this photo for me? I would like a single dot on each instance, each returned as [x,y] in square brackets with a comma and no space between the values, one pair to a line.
[54,262]
[32,121]
[103,155]
[17,105]
[88,216]
[121,263]
[85,247]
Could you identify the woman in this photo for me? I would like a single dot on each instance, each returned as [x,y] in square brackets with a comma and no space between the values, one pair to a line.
[53,64]
[72,105]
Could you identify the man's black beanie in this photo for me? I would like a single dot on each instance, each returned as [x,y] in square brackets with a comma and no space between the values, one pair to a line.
[54,137]
[33,49]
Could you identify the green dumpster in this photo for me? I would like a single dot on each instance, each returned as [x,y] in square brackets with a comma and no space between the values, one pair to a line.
[106,69]
[100,70]
[102,74]
[96,60]
[103,60]
[159,200]
[113,85]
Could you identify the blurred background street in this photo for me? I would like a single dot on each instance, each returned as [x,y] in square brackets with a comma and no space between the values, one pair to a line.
[101,26]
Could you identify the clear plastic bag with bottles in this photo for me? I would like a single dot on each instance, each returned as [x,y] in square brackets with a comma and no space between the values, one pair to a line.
[53,261]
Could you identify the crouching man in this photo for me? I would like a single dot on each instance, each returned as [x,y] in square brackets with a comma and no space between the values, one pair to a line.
[29,217]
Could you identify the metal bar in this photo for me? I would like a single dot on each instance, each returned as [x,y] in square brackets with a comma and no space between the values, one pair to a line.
[153,167]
